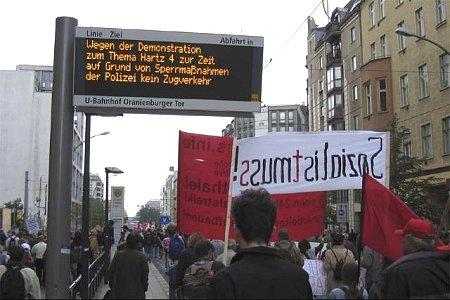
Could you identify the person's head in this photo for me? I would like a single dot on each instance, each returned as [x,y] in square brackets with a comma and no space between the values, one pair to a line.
[337,239]
[254,215]
[285,250]
[218,247]
[16,253]
[194,239]
[345,236]
[204,250]
[350,278]
[133,240]
[231,244]
[283,234]
[304,246]
[125,228]
[171,229]
[417,236]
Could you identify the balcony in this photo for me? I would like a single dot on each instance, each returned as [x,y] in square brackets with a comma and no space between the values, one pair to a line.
[334,57]
[336,113]
[333,31]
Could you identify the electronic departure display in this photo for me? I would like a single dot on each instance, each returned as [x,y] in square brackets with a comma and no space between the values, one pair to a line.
[166,72]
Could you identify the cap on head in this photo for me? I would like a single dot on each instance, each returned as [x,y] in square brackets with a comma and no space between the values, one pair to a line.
[418,228]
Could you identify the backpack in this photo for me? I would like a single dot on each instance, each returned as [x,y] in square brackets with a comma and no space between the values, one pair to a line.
[197,280]
[12,284]
[176,246]
[337,270]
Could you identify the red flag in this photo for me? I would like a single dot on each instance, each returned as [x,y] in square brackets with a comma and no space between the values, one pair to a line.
[384,213]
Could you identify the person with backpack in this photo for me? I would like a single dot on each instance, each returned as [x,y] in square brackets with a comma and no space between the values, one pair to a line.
[198,276]
[176,245]
[349,288]
[334,259]
[17,281]
[187,257]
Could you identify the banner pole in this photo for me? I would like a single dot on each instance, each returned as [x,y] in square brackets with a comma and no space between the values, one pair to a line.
[230,199]
[361,221]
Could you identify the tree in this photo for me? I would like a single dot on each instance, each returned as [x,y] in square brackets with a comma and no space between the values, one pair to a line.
[147,214]
[406,176]
[16,206]
[96,212]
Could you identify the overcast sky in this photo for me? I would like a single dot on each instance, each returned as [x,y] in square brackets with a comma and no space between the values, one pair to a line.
[145,146]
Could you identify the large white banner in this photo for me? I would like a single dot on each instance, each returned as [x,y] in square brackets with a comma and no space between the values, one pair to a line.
[284,163]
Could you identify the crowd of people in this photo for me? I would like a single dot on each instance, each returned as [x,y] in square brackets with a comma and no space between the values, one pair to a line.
[255,267]
[22,264]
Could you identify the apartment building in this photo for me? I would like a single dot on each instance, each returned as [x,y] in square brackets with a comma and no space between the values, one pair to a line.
[96,187]
[280,118]
[409,76]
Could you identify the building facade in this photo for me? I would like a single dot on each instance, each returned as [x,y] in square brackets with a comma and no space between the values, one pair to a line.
[96,187]
[169,197]
[25,101]
[282,118]
[378,74]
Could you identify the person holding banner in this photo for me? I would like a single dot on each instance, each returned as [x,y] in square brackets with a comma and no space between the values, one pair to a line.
[257,271]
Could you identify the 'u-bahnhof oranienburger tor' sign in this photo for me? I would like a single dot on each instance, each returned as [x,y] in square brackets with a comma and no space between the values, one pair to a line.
[118,70]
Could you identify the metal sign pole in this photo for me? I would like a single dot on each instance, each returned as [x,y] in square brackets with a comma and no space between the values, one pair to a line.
[60,166]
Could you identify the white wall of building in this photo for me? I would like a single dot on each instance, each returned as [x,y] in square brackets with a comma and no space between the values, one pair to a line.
[25,115]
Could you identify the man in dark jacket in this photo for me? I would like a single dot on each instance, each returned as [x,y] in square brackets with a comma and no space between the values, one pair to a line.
[128,273]
[422,272]
[257,271]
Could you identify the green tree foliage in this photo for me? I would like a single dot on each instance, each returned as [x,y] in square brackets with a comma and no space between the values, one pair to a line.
[96,212]
[16,206]
[405,176]
[147,214]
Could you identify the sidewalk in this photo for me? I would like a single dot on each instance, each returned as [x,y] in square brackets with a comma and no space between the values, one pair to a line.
[158,288]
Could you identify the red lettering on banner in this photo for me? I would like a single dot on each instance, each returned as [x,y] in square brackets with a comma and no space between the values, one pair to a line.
[203,182]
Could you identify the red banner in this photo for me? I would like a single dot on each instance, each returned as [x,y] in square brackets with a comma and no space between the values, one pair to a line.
[303,214]
[203,179]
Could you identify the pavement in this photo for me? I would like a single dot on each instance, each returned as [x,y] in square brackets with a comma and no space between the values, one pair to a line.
[158,287]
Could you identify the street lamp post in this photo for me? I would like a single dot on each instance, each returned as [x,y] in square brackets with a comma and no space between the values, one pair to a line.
[108,170]
[103,133]
[401,31]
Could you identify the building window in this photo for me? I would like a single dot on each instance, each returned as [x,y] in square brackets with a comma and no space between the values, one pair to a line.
[427,147]
[372,14]
[368,96]
[320,86]
[382,6]
[333,102]
[282,118]
[404,90]
[321,62]
[353,63]
[43,81]
[446,134]
[372,51]
[352,34]
[274,119]
[355,92]
[420,22]
[310,71]
[383,46]
[444,65]
[401,39]
[382,86]
[291,117]
[440,11]
[355,123]
[334,78]
[407,149]
[423,81]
